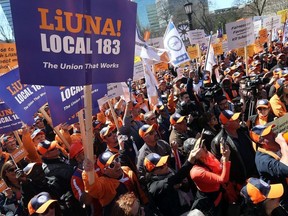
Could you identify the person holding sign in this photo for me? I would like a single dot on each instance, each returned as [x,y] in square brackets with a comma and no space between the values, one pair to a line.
[114,181]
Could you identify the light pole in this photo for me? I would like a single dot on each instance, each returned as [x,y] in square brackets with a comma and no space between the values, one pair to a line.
[188,10]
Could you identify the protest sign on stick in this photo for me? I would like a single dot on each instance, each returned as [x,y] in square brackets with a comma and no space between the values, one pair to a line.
[88,150]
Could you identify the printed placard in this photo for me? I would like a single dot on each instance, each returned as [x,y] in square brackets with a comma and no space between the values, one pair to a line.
[8,57]
[19,154]
[74,42]
[240,33]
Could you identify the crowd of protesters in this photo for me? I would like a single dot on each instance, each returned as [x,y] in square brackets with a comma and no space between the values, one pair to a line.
[206,148]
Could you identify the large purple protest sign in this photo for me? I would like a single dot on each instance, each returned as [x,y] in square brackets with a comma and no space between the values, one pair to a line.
[74,42]
[66,101]
[9,121]
[23,99]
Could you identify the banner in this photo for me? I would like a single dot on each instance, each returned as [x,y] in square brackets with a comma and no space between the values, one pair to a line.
[175,45]
[257,27]
[211,60]
[240,33]
[197,37]
[74,42]
[66,101]
[19,154]
[138,72]
[114,90]
[151,84]
[8,57]
[218,50]
[193,51]
[272,22]
[9,121]
[25,100]
[156,42]
[283,14]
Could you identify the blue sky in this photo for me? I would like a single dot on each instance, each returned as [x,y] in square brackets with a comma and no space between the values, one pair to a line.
[221,4]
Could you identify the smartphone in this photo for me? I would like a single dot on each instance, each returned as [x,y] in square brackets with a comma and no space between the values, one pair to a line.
[201,137]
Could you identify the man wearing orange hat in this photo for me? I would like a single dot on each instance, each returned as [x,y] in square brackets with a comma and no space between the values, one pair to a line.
[263,116]
[92,205]
[152,145]
[271,157]
[242,153]
[115,180]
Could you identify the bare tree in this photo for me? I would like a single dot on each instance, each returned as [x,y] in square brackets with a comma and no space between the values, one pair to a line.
[5,36]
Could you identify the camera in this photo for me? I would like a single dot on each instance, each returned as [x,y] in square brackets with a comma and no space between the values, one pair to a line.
[212,92]
[255,80]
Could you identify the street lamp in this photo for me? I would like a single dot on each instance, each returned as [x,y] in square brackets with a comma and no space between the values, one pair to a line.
[188,10]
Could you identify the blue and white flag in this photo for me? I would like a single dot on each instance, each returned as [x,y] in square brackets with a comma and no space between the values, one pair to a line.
[174,44]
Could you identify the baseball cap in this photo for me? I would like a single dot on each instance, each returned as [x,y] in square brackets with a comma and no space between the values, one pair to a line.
[39,203]
[75,149]
[263,103]
[256,190]
[146,129]
[154,160]
[236,75]
[228,115]
[96,124]
[259,131]
[277,71]
[32,167]
[6,139]
[176,118]
[45,146]
[105,159]
[36,132]
[106,130]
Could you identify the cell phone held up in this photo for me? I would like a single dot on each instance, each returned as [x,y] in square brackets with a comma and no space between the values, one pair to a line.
[222,145]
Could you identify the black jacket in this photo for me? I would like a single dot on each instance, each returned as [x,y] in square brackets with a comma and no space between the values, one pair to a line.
[163,194]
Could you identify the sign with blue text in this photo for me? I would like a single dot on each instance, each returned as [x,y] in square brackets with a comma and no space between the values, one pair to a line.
[74,42]
[65,101]
[9,121]
[25,100]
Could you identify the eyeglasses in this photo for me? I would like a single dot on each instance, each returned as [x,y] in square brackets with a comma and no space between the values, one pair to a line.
[112,132]
[262,108]
[11,169]
[112,165]
[153,118]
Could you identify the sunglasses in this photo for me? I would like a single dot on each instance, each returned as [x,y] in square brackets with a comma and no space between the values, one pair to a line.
[112,165]
[112,132]
[11,169]
[260,109]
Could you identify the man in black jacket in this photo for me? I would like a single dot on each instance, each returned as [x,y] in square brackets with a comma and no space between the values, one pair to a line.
[164,186]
